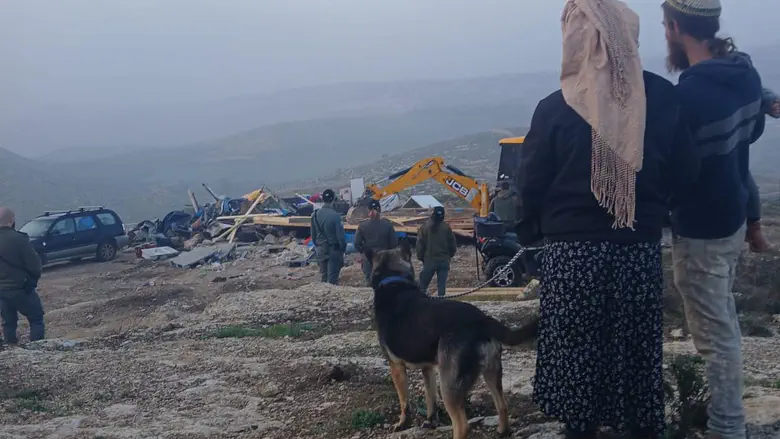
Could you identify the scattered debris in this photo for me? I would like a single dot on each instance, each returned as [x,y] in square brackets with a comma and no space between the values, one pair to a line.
[158,253]
[201,255]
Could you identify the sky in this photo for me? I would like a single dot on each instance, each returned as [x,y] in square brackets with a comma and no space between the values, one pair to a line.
[90,73]
[118,52]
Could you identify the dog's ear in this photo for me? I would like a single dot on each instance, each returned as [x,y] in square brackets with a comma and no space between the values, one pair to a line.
[406,250]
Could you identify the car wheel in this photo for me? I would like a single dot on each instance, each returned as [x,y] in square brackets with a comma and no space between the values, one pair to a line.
[509,278]
[106,251]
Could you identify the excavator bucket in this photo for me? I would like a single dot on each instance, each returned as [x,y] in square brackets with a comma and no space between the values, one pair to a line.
[509,161]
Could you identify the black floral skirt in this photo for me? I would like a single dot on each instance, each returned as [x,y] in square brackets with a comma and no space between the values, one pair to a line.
[600,351]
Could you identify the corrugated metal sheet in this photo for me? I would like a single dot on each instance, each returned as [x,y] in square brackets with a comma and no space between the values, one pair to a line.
[424,201]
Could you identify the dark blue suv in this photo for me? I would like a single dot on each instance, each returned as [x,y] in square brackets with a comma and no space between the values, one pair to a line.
[75,234]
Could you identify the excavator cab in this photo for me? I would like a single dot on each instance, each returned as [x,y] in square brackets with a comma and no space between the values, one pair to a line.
[509,160]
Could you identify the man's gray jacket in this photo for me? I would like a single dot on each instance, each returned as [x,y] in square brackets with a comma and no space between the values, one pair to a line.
[327,232]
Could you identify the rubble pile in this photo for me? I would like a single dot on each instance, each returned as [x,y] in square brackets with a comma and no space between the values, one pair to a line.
[219,232]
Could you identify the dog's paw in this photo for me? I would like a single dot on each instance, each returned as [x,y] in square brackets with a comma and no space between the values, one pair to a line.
[401,425]
[428,425]
[506,433]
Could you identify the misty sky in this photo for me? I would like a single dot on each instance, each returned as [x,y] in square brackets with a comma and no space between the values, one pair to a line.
[118,52]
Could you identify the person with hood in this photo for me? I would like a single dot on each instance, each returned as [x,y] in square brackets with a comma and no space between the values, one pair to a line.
[20,270]
[375,234]
[436,246]
[327,233]
[606,157]
[504,205]
[721,94]
[755,236]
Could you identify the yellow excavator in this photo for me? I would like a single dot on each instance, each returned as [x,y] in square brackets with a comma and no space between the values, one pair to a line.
[455,180]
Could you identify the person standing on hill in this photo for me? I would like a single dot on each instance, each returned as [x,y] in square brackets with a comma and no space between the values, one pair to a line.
[20,270]
[436,246]
[327,233]
[374,234]
[504,205]
[605,157]
[721,95]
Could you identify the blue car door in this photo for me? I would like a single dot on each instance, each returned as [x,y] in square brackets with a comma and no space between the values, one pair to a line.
[61,240]
[87,235]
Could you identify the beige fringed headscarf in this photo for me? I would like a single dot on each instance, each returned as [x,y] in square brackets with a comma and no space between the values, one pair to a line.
[602,81]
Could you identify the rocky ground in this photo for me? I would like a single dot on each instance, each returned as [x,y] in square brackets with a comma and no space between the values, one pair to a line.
[253,349]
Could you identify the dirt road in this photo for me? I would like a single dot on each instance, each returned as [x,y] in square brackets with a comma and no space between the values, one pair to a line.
[250,349]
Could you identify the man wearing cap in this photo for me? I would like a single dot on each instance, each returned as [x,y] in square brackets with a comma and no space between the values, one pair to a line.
[436,245]
[505,205]
[376,234]
[721,97]
[327,233]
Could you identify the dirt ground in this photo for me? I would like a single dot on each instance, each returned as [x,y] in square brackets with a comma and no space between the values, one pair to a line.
[254,349]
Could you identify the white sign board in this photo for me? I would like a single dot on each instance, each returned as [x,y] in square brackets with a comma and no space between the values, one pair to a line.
[357,187]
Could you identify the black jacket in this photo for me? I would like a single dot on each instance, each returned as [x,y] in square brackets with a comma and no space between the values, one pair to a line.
[19,264]
[376,235]
[554,174]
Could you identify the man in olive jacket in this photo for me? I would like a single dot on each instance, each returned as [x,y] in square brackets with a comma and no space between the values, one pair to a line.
[505,205]
[327,233]
[375,234]
[435,247]
[20,269]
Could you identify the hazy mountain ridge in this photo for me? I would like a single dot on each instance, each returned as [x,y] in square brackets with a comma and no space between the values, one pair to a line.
[191,122]
[375,120]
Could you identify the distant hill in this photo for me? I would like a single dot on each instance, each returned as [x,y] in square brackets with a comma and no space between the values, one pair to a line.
[298,150]
[125,128]
[31,187]
[477,155]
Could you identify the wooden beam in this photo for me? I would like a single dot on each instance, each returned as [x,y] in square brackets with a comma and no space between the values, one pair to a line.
[305,221]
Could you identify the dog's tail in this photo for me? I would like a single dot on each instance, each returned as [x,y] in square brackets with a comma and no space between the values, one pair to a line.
[513,337]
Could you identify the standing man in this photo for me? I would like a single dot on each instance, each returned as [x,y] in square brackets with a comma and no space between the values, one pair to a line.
[505,205]
[376,234]
[435,247]
[327,233]
[721,95]
[20,269]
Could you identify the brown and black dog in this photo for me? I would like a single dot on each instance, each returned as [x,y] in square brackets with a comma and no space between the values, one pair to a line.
[419,332]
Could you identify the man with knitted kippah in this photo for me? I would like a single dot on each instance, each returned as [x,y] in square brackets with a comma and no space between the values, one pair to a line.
[721,95]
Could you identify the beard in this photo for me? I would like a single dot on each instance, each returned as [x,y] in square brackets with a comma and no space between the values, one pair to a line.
[676,59]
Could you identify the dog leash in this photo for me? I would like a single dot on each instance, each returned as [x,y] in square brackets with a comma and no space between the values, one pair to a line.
[497,274]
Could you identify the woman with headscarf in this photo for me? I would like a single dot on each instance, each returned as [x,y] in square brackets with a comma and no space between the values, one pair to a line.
[606,157]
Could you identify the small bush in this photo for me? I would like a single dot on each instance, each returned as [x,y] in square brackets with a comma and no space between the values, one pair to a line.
[687,395]
[31,400]
[293,330]
[364,419]
[755,326]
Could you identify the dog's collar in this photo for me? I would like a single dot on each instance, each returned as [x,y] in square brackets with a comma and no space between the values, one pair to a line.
[393,279]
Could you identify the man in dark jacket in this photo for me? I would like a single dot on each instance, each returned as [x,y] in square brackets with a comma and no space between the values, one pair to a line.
[721,94]
[436,245]
[375,234]
[505,205]
[20,269]
[327,233]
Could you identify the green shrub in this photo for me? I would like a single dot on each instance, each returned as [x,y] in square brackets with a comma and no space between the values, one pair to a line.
[364,419]
[687,395]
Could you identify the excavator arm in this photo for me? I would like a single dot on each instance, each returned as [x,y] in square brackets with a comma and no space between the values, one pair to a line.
[455,180]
